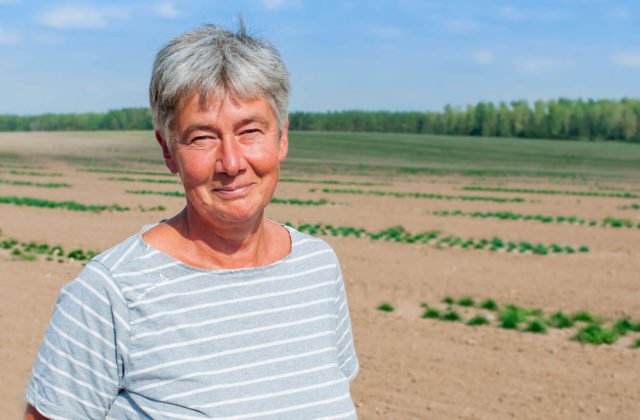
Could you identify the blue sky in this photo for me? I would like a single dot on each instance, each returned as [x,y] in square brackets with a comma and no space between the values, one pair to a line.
[92,56]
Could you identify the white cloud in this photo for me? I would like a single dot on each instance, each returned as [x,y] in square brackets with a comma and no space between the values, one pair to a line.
[274,4]
[81,17]
[167,10]
[536,65]
[627,59]
[8,37]
[483,56]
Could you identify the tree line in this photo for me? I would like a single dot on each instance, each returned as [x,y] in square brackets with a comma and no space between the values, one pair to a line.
[554,119]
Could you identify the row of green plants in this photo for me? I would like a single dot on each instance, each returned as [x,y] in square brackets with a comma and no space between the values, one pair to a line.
[68,205]
[435,196]
[293,201]
[439,239]
[551,192]
[290,180]
[574,220]
[31,251]
[125,172]
[34,184]
[590,328]
[30,173]
[330,182]
[634,206]
[148,180]
[72,205]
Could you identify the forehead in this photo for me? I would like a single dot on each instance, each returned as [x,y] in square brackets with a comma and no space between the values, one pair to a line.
[223,105]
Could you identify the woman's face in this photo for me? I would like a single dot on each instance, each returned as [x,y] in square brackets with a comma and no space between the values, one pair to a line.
[228,156]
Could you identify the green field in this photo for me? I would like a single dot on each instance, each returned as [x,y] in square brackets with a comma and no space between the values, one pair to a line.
[336,152]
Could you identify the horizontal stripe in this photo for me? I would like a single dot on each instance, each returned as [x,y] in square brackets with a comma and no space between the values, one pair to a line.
[228,318]
[228,302]
[236,368]
[253,381]
[233,285]
[230,352]
[232,334]
[287,409]
[147,270]
[272,394]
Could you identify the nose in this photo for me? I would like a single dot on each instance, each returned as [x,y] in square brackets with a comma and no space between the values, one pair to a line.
[231,160]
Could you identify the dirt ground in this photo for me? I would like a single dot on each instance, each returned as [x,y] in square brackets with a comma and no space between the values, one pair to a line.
[411,368]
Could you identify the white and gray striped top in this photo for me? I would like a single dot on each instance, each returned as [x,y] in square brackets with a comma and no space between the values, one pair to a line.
[139,334]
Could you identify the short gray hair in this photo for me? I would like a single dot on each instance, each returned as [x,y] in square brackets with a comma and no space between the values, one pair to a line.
[212,60]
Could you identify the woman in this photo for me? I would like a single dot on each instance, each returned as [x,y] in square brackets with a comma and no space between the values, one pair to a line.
[216,312]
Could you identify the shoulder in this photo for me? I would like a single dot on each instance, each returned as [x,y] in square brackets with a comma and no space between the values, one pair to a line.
[304,245]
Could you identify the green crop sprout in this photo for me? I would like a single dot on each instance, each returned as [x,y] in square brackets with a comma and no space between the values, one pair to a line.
[385,307]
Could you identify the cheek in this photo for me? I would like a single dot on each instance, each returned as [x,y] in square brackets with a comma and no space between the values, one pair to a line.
[196,166]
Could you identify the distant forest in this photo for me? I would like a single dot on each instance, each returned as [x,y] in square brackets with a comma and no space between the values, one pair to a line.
[554,119]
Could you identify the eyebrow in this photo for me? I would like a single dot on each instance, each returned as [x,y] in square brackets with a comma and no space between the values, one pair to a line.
[251,119]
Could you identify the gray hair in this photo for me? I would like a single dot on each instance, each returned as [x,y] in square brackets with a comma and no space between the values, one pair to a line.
[212,60]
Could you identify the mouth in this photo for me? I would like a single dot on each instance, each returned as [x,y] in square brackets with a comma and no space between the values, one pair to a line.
[233,191]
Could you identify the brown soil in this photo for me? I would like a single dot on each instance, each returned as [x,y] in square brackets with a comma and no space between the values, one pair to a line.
[411,368]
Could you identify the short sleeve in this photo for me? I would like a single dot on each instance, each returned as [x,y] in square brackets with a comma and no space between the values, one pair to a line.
[347,358]
[80,366]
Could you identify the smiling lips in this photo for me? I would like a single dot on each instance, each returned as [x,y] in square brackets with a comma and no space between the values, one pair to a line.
[233,192]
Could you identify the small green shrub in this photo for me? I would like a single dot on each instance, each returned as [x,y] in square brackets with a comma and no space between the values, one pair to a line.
[490,305]
[386,307]
[536,326]
[431,313]
[448,300]
[584,316]
[596,334]
[451,315]
[478,320]
[560,320]
[466,301]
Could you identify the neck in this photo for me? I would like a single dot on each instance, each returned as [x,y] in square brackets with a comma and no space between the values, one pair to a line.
[225,245]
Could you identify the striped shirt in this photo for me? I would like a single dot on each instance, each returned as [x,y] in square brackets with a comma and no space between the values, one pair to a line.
[139,334]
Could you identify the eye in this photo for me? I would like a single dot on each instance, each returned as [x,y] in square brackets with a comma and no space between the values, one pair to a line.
[250,131]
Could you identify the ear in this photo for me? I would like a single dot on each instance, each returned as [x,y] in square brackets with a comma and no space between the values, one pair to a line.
[284,142]
[166,153]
